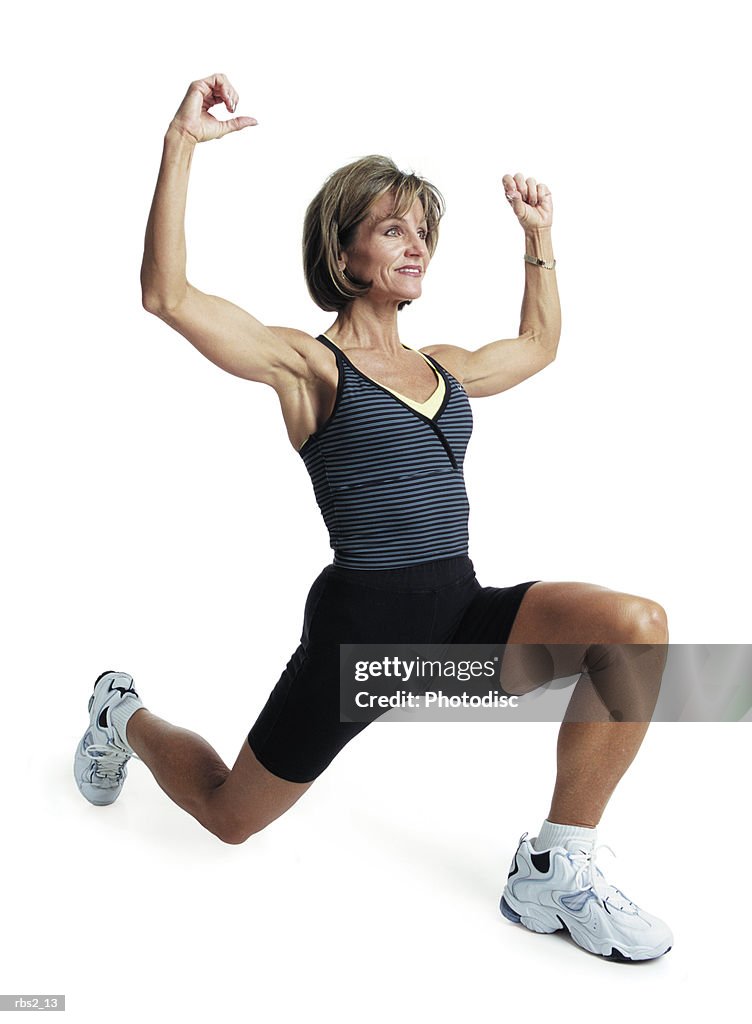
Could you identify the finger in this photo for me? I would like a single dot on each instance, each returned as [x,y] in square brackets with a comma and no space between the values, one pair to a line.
[221,93]
[513,195]
[210,94]
[532,191]
[202,86]
[521,186]
[543,193]
[510,187]
[221,90]
[235,124]
[229,95]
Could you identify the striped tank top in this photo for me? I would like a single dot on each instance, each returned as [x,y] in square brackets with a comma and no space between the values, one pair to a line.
[388,478]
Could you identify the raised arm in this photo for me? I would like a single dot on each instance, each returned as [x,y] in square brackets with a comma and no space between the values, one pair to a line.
[501,364]
[223,332]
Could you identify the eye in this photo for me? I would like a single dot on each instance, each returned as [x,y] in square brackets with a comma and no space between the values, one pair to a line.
[423,232]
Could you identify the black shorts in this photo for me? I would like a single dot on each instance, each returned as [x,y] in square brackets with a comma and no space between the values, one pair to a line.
[299,732]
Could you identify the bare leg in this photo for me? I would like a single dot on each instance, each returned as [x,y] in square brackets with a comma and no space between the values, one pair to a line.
[231,804]
[619,642]
[592,757]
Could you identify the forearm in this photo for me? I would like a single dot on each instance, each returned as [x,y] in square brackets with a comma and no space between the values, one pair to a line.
[541,312]
[163,280]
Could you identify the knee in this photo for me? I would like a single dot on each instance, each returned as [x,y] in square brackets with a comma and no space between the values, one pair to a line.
[233,827]
[235,833]
[647,621]
[233,837]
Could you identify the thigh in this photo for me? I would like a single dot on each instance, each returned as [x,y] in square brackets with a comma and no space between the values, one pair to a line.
[557,623]
[575,613]
[299,731]
[489,613]
[493,616]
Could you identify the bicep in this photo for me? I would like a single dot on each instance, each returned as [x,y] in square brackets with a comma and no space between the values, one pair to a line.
[494,367]
[231,338]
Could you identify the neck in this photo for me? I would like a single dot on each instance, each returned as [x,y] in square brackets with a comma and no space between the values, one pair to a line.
[366,325]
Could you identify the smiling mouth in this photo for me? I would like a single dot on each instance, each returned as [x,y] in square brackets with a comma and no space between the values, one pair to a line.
[410,271]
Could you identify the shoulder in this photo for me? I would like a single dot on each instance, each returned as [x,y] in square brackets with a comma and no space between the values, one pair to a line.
[310,358]
[452,358]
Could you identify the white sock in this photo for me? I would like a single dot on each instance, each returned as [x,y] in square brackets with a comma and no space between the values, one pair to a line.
[552,834]
[119,716]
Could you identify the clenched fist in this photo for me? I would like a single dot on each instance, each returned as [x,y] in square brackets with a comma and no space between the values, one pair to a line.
[531,202]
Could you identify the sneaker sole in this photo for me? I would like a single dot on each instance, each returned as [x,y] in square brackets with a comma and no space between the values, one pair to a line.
[615,955]
[99,796]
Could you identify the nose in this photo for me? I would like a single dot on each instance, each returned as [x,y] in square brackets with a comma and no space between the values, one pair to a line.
[416,246]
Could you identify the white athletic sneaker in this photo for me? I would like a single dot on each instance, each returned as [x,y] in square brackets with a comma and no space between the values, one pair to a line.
[100,762]
[562,888]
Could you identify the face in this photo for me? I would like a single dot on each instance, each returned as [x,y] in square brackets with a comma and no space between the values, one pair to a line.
[390,251]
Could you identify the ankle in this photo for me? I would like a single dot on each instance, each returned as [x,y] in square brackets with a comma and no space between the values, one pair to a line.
[554,833]
[122,717]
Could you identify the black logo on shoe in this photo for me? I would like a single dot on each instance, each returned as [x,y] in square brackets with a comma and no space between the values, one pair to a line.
[123,690]
[541,861]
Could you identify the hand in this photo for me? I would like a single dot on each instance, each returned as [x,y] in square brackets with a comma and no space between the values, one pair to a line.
[193,118]
[532,203]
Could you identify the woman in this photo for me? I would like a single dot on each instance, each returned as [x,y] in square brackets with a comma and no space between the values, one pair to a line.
[382,430]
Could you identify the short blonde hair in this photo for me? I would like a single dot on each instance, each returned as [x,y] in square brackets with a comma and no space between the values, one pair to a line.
[341,204]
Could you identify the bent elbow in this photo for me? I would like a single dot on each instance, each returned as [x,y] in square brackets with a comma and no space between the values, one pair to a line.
[150,303]
[159,304]
[550,346]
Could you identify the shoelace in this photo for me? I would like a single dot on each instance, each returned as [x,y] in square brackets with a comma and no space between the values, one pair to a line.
[589,876]
[108,760]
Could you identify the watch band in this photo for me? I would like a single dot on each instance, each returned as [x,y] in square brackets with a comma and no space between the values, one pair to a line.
[547,264]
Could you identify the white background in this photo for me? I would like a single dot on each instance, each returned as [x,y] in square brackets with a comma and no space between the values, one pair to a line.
[157,520]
